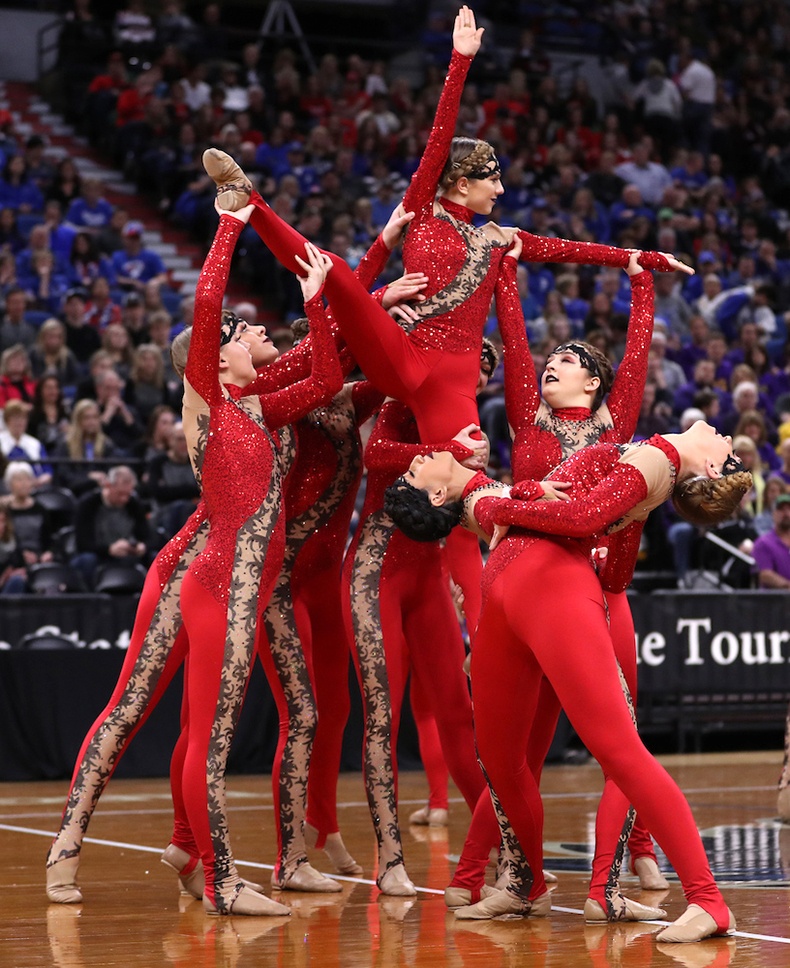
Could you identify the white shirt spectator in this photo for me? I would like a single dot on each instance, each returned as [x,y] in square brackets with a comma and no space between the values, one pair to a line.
[698,83]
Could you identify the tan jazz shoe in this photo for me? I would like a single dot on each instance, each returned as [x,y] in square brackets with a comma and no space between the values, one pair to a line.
[625,909]
[335,850]
[235,898]
[650,877]
[233,186]
[505,903]
[305,878]
[694,924]
[427,817]
[190,871]
[62,881]
[456,897]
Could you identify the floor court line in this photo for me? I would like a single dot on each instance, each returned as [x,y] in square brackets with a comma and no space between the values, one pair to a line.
[339,877]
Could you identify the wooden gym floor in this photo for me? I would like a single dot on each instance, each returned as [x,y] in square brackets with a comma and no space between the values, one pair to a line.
[134,917]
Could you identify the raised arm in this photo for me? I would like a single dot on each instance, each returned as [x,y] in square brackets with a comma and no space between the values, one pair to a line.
[625,397]
[466,43]
[522,394]
[326,376]
[202,367]
[390,449]
[537,248]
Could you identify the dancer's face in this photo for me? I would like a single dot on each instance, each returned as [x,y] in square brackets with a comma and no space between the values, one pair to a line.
[482,193]
[565,379]
[238,361]
[432,473]
[714,447]
[262,349]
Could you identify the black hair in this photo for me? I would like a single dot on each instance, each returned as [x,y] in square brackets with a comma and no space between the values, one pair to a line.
[411,510]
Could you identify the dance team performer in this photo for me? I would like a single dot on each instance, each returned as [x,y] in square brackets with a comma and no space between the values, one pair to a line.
[393,590]
[156,650]
[549,422]
[226,586]
[515,647]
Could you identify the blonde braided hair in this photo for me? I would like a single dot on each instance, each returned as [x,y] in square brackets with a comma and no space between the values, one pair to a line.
[704,501]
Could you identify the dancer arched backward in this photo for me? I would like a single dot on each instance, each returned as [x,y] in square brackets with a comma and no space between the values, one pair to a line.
[394,590]
[567,640]
[434,368]
[570,415]
[158,644]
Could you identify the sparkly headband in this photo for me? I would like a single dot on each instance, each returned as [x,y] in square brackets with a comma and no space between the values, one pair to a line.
[491,168]
[585,358]
[230,323]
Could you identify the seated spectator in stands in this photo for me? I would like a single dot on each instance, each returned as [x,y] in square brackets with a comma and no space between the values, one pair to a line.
[746,450]
[11,239]
[654,416]
[100,361]
[14,329]
[160,330]
[718,306]
[91,211]
[116,341]
[704,377]
[85,443]
[67,184]
[110,238]
[135,265]
[110,525]
[18,445]
[650,177]
[81,338]
[170,483]
[13,574]
[671,306]
[49,417]
[51,356]
[16,376]
[774,486]
[31,520]
[629,208]
[45,286]
[100,310]
[146,387]
[602,181]
[133,317]
[156,439]
[8,276]
[718,349]
[771,551]
[745,399]
[119,421]
[17,190]
[86,263]
[753,424]
[695,346]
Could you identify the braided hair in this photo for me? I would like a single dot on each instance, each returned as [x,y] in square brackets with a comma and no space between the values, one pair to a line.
[704,501]
[469,158]
[411,510]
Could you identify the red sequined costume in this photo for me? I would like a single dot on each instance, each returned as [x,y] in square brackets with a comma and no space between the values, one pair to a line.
[228,583]
[395,589]
[516,648]
[542,438]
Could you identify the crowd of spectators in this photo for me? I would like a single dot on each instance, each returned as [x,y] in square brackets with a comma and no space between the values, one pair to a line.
[684,147]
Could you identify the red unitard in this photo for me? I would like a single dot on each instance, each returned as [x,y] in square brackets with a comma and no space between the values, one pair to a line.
[567,640]
[542,438]
[227,585]
[395,589]
[156,650]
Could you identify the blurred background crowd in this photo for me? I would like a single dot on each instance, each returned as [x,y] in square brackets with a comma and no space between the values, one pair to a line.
[660,124]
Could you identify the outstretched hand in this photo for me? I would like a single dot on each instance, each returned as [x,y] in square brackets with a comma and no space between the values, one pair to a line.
[316,269]
[467,36]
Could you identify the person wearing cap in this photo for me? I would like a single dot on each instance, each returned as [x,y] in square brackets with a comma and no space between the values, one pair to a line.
[771,551]
[135,265]
[81,338]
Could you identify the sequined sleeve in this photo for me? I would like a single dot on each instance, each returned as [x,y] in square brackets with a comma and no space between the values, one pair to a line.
[372,263]
[625,397]
[388,448]
[522,397]
[366,400]
[325,380]
[583,516]
[202,368]
[537,248]
[425,180]
[618,571]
